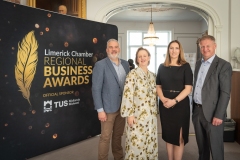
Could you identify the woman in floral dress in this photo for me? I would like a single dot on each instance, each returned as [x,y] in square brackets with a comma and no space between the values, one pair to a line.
[139,106]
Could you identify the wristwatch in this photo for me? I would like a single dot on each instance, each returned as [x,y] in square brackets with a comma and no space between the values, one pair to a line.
[176,100]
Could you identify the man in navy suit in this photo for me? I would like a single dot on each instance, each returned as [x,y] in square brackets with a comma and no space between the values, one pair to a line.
[211,94]
[108,80]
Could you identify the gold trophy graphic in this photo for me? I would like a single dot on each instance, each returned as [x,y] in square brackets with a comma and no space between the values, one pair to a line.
[25,68]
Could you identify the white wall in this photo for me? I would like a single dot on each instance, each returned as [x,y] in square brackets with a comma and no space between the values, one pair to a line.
[204,26]
[93,6]
[186,32]
[224,23]
[234,32]
[219,26]
[23,2]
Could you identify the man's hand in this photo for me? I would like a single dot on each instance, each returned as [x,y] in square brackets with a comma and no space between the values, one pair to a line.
[102,116]
[216,121]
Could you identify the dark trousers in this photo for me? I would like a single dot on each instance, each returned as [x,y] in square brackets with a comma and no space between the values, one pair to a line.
[209,137]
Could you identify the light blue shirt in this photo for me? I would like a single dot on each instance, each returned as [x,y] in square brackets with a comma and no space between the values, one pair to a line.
[121,76]
[121,73]
[201,78]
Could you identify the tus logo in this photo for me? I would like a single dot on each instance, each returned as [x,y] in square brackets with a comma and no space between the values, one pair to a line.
[47,106]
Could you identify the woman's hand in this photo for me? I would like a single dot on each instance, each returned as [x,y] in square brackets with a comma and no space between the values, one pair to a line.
[169,103]
[164,100]
[131,120]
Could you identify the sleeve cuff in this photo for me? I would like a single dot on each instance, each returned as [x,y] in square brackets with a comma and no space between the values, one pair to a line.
[100,110]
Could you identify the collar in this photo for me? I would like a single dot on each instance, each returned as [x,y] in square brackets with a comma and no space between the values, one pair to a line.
[209,60]
[142,74]
[114,62]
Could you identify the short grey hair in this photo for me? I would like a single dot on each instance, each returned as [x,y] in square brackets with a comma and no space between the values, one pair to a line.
[113,40]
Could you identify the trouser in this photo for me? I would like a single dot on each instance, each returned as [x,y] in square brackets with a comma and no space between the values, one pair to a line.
[112,128]
[209,137]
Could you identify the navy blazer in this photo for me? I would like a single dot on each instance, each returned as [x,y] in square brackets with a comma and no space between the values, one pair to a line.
[216,88]
[106,90]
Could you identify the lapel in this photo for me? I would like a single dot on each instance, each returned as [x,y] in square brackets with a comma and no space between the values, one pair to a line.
[141,74]
[211,69]
[146,79]
[110,65]
[126,67]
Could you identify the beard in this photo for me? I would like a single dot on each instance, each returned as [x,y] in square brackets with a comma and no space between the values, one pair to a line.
[113,56]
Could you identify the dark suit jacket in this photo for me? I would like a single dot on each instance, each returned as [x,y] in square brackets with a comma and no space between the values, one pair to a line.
[216,88]
[106,90]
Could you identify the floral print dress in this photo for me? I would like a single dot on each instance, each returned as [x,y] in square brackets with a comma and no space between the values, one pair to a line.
[140,100]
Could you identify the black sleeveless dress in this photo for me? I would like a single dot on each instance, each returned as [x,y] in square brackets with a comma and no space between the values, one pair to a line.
[173,119]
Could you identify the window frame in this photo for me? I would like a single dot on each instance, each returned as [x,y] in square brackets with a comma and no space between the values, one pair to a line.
[129,46]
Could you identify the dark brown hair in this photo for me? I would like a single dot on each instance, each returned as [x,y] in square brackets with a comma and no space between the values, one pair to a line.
[181,60]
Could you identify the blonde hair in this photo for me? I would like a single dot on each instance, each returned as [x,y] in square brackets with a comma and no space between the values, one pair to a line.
[206,37]
[181,60]
[140,49]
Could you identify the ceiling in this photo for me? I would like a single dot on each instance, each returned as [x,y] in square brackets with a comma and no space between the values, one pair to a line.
[171,15]
[160,12]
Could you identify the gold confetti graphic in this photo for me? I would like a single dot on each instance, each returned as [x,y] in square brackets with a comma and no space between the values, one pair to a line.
[55,136]
[47,125]
[95,40]
[25,68]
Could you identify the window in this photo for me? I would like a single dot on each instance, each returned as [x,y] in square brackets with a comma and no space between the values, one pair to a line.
[158,52]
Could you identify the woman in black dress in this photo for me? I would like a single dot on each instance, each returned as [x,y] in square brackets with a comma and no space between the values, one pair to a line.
[174,84]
